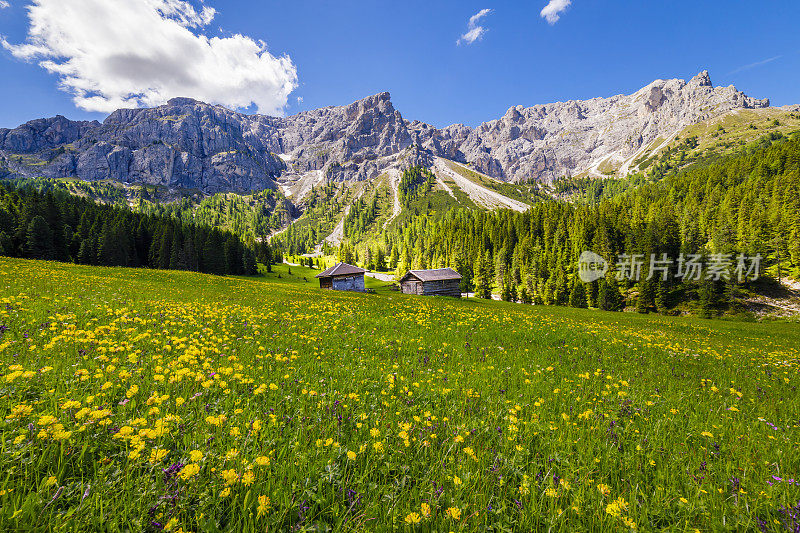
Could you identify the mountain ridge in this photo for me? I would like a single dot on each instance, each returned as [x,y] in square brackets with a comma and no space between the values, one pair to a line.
[188,144]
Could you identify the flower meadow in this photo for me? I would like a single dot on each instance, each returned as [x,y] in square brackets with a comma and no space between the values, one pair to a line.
[143,400]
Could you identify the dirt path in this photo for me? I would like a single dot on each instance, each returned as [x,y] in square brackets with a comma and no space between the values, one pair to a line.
[380,276]
[479,194]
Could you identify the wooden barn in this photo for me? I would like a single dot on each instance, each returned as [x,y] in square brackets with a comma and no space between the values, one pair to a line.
[342,277]
[440,282]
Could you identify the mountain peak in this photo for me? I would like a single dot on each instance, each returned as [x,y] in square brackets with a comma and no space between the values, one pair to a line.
[182,101]
[702,79]
[189,144]
[378,99]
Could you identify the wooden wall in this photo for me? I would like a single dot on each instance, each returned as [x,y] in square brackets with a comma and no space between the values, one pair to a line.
[349,283]
[447,287]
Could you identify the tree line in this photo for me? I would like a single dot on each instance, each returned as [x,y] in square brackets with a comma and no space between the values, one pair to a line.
[55,225]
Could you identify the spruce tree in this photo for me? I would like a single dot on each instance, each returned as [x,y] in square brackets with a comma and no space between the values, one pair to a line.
[524,297]
[481,280]
[644,301]
[661,299]
[609,298]
[39,239]
[500,271]
[6,244]
[87,254]
[577,296]
[249,266]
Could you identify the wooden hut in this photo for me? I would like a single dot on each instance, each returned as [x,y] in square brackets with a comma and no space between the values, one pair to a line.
[441,282]
[342,277]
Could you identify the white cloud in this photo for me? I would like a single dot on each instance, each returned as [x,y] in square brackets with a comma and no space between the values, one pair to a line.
[299,99]
[4,4]
[474,30]
[552,11]
[143,52]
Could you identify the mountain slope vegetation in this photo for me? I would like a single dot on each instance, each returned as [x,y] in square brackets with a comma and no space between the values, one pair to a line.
[742,204]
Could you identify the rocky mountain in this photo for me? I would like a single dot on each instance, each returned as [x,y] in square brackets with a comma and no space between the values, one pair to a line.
[187,144]
[600,136]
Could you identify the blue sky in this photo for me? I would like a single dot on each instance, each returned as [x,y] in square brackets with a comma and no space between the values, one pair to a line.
[332,53]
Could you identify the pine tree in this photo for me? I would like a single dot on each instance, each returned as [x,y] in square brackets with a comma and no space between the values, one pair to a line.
[481,280]
[380,259]
[175,256]
[249,266]
[577,296]
[710,297]
[500,271]
[67,239]
[505,290]
[592,293]
[213,259]
[6,244]
[106,248]
[39,239]
[404,266]
[524,296]
[661,299]
[87,254]
[609,298]
[488,271]
[644,301]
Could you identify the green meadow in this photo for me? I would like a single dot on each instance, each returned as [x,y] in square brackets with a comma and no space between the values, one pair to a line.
[147,400]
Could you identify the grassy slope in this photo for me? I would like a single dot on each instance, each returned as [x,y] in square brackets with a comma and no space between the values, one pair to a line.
[304,277]
[722,135]
[513,415]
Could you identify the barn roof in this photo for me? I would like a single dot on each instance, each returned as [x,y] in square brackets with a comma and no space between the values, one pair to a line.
[437,274]
[340,269]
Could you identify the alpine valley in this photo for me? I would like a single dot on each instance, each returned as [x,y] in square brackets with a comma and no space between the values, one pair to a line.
[509,203]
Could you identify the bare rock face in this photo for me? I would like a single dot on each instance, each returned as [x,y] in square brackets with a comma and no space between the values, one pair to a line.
[192,145]
[188,144]
[545,142]
[345,141]
[183,144]
[44,134]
